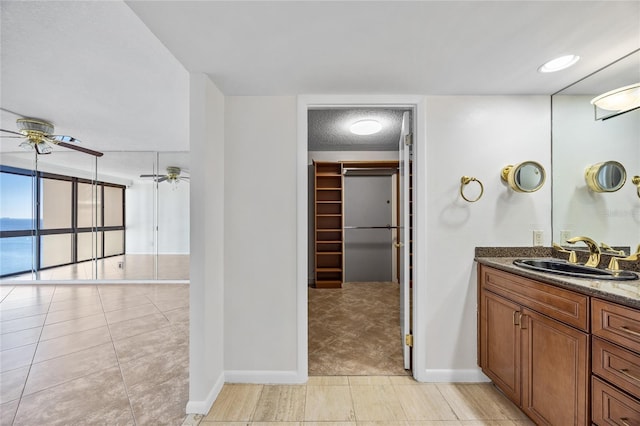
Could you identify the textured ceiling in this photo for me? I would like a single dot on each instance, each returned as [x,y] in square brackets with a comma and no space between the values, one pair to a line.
[329,129]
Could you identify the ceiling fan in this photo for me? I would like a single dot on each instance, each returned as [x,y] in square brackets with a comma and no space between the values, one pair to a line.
[38,135]
[173,176]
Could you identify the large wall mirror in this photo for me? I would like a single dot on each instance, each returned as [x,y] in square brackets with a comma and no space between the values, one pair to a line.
[70,216]
[580,140]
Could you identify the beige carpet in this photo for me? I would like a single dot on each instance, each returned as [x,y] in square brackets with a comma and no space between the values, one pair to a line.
[355,330]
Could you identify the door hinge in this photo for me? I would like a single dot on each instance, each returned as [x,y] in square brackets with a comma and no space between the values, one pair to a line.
[408,139]
[408,340]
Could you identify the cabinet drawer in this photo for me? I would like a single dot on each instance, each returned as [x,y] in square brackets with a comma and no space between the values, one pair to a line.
[618,366]
[563,305]
[616,323]
[612,407]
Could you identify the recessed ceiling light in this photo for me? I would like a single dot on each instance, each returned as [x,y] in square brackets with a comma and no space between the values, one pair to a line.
[365,127]
[558,64]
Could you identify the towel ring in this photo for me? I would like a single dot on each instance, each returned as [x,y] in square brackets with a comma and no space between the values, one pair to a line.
[464,181]
[636,181]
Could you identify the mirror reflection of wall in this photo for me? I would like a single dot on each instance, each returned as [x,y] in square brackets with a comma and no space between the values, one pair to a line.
[579,141]
[97,219]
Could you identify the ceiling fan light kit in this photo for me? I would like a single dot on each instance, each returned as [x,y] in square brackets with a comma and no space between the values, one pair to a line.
[38,135]
[173,176]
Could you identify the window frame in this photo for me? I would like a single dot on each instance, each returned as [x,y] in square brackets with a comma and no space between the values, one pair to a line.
[37,232]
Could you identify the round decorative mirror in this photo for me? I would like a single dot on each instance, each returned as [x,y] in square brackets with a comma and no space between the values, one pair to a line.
[528,176]
[608,176]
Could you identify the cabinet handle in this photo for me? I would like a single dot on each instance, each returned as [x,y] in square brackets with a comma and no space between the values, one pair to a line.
[515,321]
[625,372]
[624,421]
[521,320]
[628,330]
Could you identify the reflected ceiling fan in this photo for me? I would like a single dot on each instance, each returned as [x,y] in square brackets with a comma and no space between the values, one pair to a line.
[173,176]
[38,135]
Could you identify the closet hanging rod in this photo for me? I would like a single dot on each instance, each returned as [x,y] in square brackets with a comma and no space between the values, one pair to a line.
[369,171]
[369,168]
[373,227]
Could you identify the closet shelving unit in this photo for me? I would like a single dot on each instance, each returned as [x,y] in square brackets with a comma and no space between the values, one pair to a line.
[329,218]
[328,205]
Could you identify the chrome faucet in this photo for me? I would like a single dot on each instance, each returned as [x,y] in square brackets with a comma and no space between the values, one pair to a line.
[594,250]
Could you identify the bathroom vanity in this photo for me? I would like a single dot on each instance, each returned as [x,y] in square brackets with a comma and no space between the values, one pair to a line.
[565,350]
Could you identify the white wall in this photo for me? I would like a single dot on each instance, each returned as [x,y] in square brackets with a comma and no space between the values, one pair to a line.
[140,220]
[475,136]
[260,239]
[172,218]
[578,142]
[206,358]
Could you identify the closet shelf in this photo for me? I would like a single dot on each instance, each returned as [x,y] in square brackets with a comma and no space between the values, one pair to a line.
[321,269]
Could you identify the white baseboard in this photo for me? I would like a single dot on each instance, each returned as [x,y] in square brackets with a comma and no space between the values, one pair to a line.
[455,376]
[264,377]
[203,407]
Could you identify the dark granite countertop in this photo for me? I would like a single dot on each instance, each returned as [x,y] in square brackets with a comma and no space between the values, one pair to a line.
[623,292]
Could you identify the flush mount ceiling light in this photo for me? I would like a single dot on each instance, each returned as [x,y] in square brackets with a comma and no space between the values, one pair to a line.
[365,127]
[620,100]
[558,64]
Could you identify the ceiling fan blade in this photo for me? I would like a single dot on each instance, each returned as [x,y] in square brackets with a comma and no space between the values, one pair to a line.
[11,137]
[153,176]
[184,177]
[161,179]
[81,149]
[63,138]
[11,131]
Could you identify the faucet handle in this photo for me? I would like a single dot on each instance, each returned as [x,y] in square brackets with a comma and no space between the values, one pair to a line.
[573,258]
[615,266]
[611,250]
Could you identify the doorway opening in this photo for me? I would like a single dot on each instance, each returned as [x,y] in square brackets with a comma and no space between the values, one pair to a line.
[360,244]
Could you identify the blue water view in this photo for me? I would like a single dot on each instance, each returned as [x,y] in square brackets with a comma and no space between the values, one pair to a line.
[14,224]
[16,253]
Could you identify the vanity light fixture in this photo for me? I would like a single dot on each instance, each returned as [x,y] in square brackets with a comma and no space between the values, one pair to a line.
[620,100]
[365,127]
[558,64]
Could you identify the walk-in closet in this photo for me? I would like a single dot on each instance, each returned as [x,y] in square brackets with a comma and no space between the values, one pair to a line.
[359,241]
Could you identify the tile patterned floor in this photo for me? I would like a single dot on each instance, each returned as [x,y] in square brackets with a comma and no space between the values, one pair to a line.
[94,354]
[355,330]
[360,400]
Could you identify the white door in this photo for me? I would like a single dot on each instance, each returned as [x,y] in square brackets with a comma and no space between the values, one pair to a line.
[404,236]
